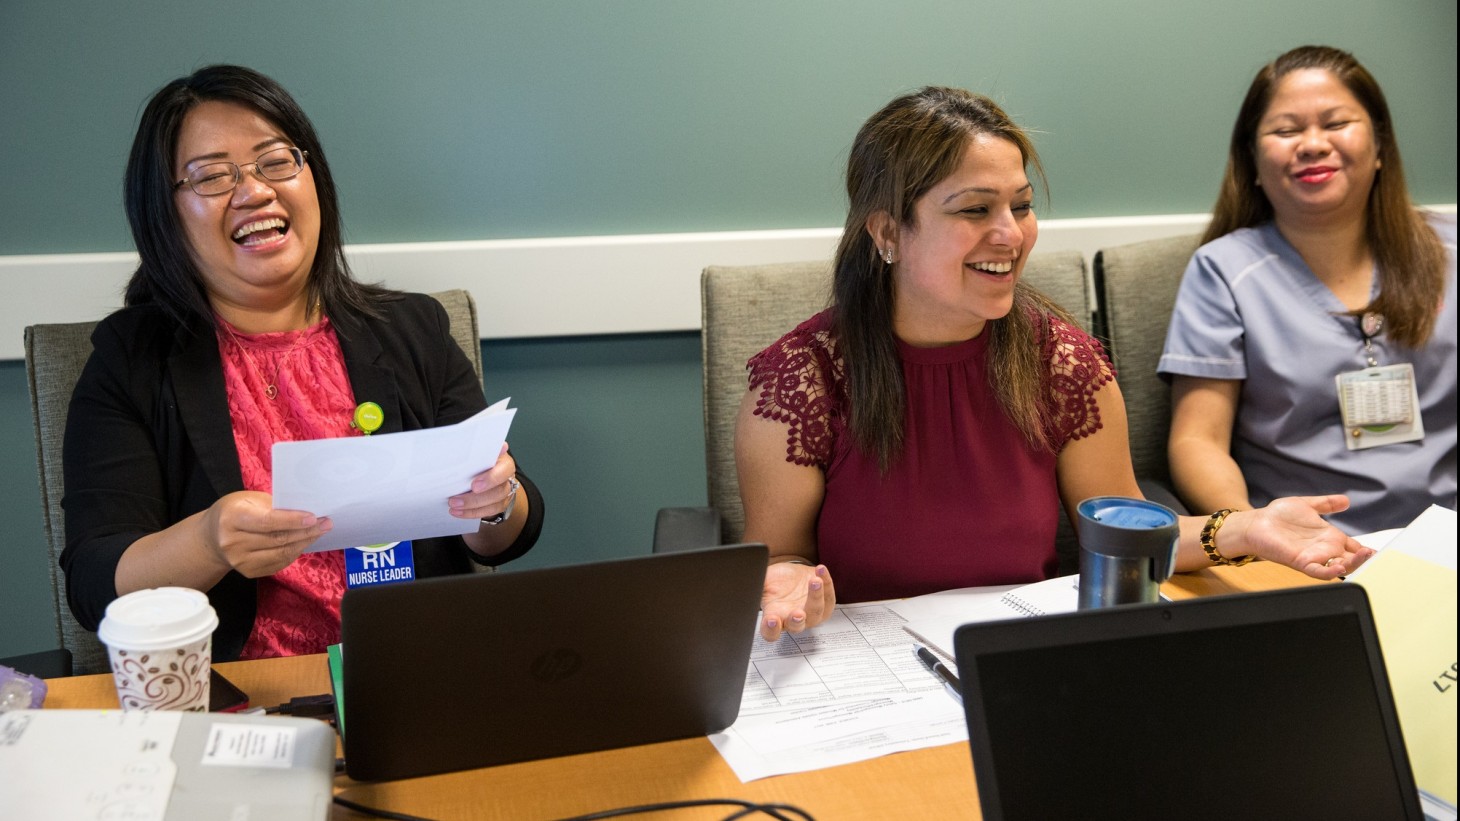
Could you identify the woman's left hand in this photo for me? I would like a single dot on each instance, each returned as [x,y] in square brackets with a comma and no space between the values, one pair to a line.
[490,490]
[1291,531]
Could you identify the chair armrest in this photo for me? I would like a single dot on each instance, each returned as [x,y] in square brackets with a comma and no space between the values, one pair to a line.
[45,664]
[686,528]
[1161,492]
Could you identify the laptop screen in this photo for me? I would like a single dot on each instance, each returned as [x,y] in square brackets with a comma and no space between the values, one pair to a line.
[476,670]
[1244,706]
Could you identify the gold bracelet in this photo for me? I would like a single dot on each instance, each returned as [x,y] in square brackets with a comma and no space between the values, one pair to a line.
[1209,540]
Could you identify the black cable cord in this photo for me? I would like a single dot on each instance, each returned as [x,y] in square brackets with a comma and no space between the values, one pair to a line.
[375,812]
[747,808]
[322,705]
[771,810]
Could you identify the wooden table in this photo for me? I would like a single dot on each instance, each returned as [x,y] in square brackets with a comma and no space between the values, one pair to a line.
[936,782]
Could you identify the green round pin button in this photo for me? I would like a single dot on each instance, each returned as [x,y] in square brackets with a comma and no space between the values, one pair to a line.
[368,417]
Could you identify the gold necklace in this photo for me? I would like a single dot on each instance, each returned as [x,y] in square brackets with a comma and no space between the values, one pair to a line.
[271,387]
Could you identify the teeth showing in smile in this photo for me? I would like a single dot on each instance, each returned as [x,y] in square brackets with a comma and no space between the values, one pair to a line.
[245,234]
[993,267]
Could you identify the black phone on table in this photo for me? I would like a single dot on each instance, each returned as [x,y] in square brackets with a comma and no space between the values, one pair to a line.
[223,695]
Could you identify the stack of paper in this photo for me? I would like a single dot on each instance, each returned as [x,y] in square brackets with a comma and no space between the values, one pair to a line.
[852,689]
[1412,590]
[846,690]
[391,486]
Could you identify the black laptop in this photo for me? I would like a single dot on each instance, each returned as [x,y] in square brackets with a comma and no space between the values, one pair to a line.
[1269,705]
[471,671]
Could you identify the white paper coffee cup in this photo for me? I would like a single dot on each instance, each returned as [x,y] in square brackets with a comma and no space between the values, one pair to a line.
[161,645]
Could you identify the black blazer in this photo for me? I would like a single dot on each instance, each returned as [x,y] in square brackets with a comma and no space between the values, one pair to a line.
[149,441]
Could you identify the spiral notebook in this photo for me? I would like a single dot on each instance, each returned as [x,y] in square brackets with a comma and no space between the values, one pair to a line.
[1058,595]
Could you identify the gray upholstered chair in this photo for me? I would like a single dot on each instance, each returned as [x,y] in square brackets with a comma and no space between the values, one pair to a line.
[1135,290]
[744,309]
[461,311]
[54,356]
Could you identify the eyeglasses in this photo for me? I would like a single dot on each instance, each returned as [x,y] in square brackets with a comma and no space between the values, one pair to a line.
[217,178]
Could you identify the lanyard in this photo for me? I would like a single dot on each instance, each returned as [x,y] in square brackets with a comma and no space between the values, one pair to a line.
[1370,326]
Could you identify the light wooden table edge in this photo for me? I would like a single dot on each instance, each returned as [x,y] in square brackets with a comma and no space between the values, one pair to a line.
[928,783]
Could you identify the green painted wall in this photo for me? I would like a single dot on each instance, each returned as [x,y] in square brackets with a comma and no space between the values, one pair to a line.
[470,119]
[475,119]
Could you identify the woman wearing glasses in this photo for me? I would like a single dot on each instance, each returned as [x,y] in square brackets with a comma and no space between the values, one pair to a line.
[244,327]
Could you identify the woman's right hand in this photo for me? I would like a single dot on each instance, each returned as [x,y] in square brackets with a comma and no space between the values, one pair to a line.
[245,533]
[795,597]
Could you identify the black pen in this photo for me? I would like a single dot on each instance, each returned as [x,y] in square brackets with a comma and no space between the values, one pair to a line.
[939,669]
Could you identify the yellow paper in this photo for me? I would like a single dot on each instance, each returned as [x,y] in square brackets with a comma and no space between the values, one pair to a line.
[1414,610]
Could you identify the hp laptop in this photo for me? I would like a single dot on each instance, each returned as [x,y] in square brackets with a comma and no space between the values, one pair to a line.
[471,671]
[1270,705]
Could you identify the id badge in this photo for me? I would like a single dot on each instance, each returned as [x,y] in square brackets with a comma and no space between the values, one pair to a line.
[1380,406]
[379,564]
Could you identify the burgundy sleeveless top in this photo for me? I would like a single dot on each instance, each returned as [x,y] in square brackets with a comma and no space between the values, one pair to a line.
[969,501]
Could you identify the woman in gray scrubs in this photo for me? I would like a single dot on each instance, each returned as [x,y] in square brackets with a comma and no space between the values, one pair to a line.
[1312,349]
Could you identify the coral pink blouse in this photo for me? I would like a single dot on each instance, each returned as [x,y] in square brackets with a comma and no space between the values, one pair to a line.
[298,607]
[969,501]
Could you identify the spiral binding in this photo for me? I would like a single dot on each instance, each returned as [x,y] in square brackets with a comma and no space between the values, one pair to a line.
[1023,606]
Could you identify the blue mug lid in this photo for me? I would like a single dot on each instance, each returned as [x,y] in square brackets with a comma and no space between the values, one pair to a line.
[1119,526]
[1127,513]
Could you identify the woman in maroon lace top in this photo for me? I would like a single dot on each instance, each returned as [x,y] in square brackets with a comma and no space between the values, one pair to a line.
[922,432]
[243,327]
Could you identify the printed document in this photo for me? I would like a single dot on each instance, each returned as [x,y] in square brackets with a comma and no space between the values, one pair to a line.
[846,690]
[388,487]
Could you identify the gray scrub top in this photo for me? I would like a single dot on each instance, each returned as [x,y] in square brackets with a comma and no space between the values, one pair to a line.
[1249,308]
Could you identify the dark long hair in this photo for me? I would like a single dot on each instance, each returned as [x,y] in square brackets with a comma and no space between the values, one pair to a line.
[901,152]
[167,275]
[1409,256]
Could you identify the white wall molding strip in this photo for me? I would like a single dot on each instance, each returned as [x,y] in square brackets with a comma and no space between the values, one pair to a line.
[567,286]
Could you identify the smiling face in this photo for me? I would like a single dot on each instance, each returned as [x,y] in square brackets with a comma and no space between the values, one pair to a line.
[956,265]
[1316,151]
[256,244]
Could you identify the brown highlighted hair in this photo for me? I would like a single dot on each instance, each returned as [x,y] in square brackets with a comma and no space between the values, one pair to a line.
[1408,254]
[902,151]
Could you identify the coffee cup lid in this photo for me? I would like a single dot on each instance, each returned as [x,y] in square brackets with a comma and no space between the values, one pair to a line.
[157,619]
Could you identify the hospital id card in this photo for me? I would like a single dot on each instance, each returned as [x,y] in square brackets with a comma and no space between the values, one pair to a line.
[1380,406]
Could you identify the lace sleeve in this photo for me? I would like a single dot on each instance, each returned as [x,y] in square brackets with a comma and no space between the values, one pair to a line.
[1078,368]
[798,379]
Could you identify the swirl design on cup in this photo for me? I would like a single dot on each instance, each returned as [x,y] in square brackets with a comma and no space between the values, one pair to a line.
[175,679]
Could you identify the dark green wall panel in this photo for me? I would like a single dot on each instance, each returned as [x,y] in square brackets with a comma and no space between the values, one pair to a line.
[464,119]
[477,120]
